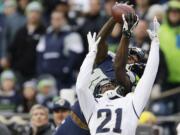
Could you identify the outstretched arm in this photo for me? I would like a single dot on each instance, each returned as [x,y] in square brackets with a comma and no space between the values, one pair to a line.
[120,63]
[104,33]
[122,52]
[85,97]
[143,89]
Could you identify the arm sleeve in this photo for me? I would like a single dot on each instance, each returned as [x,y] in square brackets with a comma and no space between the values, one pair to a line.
[41,46]
[143,89]
[86,99]
[74,43]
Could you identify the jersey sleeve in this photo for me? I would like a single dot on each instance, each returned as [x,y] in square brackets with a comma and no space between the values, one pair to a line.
[73,42]
[85,97]
[145,84]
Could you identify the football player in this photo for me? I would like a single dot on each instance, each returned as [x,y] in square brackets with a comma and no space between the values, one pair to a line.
[76,121]
[104,63]
[124,68]
[113,114]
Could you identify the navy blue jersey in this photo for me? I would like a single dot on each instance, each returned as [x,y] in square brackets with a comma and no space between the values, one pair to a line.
[70,127]
[107,67]
[77,110]
[10,103]
[103,71]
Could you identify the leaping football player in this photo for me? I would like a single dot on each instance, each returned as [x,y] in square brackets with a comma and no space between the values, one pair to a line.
[109,114]
[103,68]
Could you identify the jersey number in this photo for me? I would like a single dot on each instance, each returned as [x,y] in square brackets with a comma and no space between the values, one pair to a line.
[101,128]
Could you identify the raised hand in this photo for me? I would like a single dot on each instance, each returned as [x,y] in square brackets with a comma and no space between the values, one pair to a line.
[93,42]
[130,22]
[153,34]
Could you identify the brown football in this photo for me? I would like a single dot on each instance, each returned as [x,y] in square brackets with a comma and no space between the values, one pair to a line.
[119,9]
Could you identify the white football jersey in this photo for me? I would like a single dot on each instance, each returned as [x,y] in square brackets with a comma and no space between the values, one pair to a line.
[112,115]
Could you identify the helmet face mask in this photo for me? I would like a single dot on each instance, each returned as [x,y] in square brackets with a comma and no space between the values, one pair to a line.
[138,52]
[106,87]
[103,86]
[138,65]
[137,68]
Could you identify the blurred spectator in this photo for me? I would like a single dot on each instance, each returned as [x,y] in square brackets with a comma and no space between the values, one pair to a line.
[13,22]
[59,51]
[170,45]
[39,121]
[169,74]
[22,4]
[10,7]
[142,7]
[155,10]
[61,109]
[94,21]
[9,98]
[47,90]
[141,38]
[29,95]
[23,49]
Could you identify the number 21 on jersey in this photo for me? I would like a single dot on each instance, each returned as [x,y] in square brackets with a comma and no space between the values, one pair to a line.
[108,115]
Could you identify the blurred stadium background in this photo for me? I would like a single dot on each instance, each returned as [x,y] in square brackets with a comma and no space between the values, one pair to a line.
[43,43]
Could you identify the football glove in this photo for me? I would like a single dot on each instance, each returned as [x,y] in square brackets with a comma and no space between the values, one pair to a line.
[130,22]
[153,34]
[93,42]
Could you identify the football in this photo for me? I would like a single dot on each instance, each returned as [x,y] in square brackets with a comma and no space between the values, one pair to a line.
[119,9]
